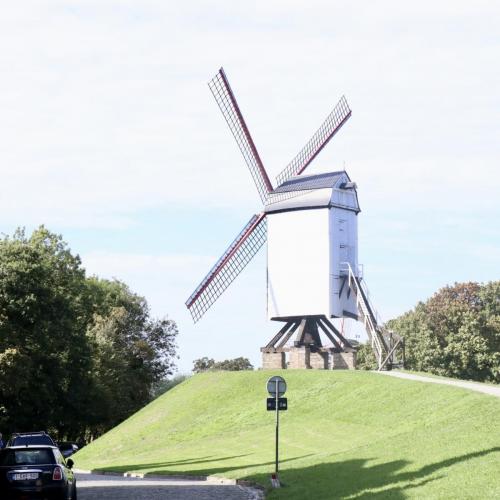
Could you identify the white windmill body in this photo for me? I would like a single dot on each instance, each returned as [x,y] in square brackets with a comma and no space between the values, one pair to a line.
[310,223]
[310,238]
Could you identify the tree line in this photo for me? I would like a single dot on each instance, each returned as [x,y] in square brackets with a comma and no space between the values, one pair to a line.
[232,365]
[78,354]
[455,333]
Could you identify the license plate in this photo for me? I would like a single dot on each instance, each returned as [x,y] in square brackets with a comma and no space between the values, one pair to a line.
[24,476]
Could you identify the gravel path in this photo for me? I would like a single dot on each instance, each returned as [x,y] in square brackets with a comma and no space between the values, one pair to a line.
[99,487]
[473,386]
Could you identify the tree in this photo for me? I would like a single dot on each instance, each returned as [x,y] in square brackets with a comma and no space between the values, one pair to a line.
[131,351]
[233,365]
[455,333]
[77,354]
[203,364]
[237,364]
[44,356]
[365,357]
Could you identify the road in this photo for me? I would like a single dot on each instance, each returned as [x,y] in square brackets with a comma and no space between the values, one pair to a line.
[99,487]
[492,390]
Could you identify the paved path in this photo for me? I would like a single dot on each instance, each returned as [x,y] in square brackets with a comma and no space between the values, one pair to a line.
[99,487]
[487,389]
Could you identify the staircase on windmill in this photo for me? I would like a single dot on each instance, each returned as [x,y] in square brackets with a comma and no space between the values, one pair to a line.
[310,223]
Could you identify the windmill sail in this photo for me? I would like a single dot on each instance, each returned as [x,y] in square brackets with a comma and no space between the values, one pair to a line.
[334,121]
[224,97]
[254,234]
[233,261]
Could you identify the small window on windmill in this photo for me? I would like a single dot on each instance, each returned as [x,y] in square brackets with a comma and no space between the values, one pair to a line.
[342,228]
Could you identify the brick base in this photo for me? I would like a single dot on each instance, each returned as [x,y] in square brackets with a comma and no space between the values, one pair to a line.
[318,360]
[299,358]
[302,358]
[273,360]
[344,360]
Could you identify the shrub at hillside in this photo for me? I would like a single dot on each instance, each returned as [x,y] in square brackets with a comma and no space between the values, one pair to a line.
[365,357]
[77,355]
[166,384]
[455,333]
[233,365]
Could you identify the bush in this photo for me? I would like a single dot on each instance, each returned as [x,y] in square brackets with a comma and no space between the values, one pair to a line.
[165,385]
[455,333]
[233,365]
[365,358]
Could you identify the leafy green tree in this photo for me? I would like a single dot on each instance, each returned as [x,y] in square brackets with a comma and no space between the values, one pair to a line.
[237,364]
[455,333]
[77,354]
[131,351]
[233,365]
[365,358]
[203,364]
[44,356]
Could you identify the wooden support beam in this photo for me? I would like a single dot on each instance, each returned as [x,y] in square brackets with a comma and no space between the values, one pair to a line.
[280,334]
[286,338]
[380,332]
[336,332]
[349,314]
[344,280]
[389,355]
[329,335]
[311,334]
[403,345]
[300,332]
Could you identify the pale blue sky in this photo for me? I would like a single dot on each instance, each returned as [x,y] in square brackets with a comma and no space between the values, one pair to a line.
[110,136]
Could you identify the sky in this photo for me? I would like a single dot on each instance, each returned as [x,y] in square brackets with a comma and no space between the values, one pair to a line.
[110,137]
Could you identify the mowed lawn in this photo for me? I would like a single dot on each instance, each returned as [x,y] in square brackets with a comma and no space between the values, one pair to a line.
[345,435]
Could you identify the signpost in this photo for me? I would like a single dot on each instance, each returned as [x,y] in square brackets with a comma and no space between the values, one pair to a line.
[276,387]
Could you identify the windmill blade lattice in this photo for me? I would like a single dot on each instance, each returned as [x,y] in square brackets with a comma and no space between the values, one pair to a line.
[226,101]
[233,261]
[334,121]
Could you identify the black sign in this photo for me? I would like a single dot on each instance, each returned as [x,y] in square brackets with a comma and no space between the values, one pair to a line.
[282,404]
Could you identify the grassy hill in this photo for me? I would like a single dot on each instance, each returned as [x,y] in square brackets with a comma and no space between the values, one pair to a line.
[350,435]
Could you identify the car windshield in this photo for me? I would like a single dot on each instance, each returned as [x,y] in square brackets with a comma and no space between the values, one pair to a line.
[26,457]
[23,440]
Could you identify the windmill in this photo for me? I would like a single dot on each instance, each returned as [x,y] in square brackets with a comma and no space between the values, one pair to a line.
[310,223]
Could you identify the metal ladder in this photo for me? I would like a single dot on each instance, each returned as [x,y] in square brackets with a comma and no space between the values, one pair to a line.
[383,342]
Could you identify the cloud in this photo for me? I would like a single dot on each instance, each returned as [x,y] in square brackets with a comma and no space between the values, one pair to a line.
[110,134]
[105,111]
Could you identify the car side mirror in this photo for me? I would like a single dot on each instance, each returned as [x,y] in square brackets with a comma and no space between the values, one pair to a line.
[70,463]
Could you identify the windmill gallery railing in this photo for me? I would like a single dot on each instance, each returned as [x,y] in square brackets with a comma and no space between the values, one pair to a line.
[383,341]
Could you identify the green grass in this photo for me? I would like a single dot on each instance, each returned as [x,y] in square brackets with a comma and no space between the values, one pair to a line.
[349,435]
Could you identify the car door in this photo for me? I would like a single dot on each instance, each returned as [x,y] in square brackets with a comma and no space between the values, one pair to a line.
[68,473]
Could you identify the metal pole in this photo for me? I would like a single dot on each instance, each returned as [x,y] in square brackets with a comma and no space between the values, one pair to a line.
[277,428]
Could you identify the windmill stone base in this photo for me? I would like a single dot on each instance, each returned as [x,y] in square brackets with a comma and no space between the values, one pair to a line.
[307,351]
[344,360]
[273,360]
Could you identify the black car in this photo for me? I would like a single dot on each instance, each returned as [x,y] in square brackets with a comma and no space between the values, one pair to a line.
[36,472]
[39,438]
[30,438]
[67,448]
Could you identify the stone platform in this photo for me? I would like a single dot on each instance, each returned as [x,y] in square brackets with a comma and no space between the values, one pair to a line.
[305,358]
